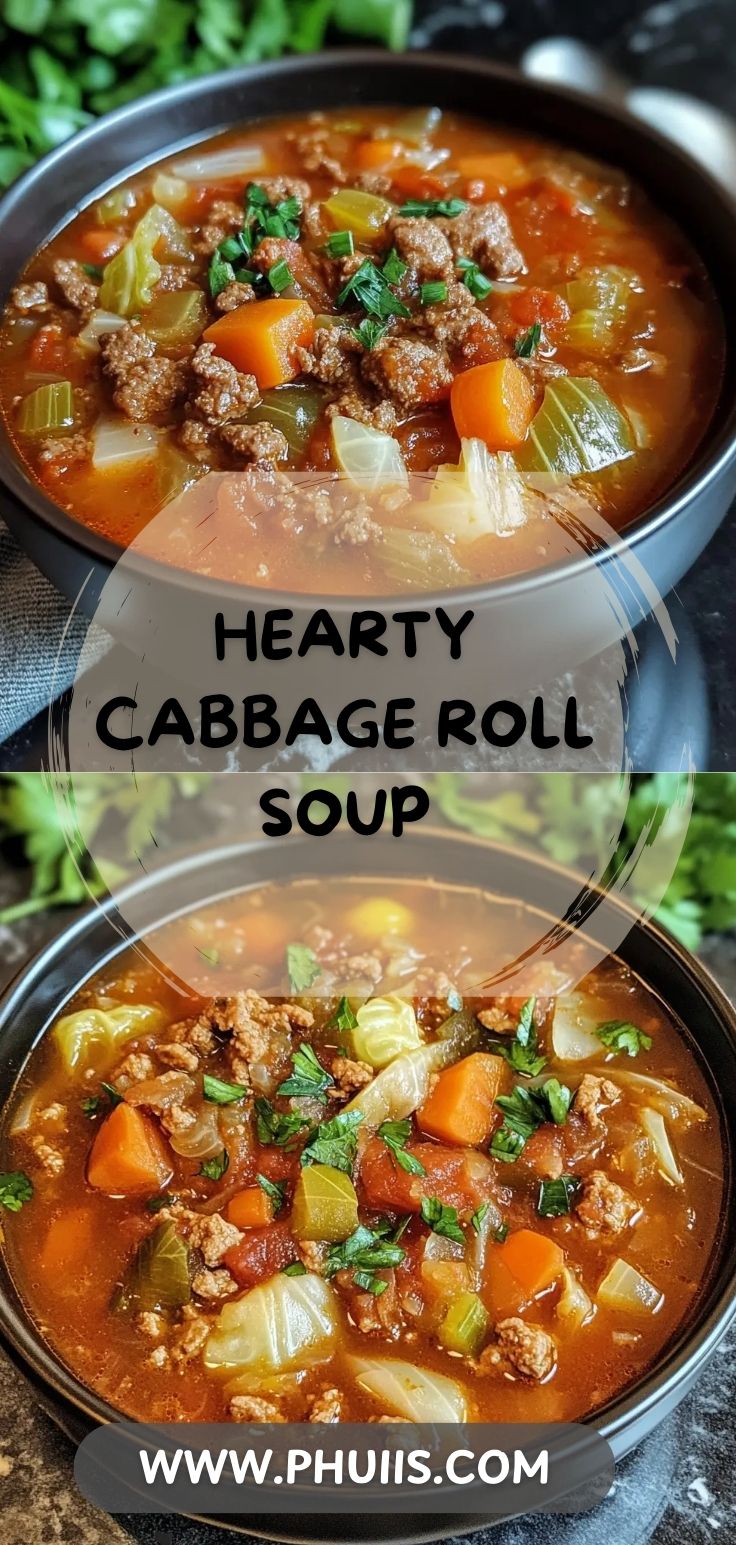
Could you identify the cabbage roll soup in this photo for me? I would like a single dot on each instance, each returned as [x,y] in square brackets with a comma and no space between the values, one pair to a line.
[406,344]
[335,1180]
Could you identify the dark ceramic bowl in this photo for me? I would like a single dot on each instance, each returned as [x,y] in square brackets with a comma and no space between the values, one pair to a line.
[36,997]
[553,615]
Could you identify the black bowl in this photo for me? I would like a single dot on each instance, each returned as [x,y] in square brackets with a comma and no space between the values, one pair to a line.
[553,615]
[41,990]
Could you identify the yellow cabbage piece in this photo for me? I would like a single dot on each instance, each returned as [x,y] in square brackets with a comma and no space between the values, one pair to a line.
[654,1125]
[573,1305]
[284,1323]
[131,276]
[484,495]
[386,1028]
[77,1035]
[623,1287]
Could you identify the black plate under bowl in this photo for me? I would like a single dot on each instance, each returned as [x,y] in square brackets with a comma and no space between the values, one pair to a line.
[38,994]
[552,615]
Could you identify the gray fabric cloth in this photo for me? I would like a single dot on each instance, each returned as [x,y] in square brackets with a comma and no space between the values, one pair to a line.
[33,621]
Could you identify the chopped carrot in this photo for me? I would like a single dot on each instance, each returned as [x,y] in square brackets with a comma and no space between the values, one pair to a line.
[48,350]
[372,153]
[69,1238]
[493,402]
[533,1259]
[129,1154]
[497,170]
[460,1106]
[415,182]
[250,1208]
[537,305]
[261,338]
[100,245]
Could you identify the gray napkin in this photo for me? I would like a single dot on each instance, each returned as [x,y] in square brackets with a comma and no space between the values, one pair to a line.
[33,621]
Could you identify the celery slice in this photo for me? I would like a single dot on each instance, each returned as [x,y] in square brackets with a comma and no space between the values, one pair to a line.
[465,1325]
[49,410]
[577,429]
[295,410]
[325,1205]
[176,318]
[365,214]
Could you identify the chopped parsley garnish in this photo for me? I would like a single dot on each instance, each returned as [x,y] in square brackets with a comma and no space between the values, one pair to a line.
[91,1105]
[621,1035]
[309,1079]
[479,1216]
[434,293]
[302,965]
[431,207]
[16,1189]
[557,1196]
[396,1134]
[276,1128]
[441,1219]
[219,275]
[295,1269]
[163,1199]
[501,1233]
[221,1093]
[234,248]
[280,276]
[343,1017]
[114,1096]
[528,343]
[507,1145]
[370,332]
[394,268]
[210,953]
[262,218]
[334,1142]
[94,1103]
[524,1110]
[369,288]
[366,1252]
[522,1054]
[214,1169]
[340,244]
[275,1191]
[474,279]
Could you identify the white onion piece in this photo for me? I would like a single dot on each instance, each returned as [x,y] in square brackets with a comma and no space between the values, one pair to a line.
[437,1248]
[478,1242]
[24,1115]
[99,323]
[236,161]
[116,442]
[654,1126]
[662,1096]
[414,1393]
[573,1034]
[573,1305]
[201,1140]
[623,1287]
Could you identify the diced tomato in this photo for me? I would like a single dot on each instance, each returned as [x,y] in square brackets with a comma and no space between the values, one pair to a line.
[458,1178]
[277,1164]
[543,1151]
[262,1253]
[48,350]
[538,305]
[100,245]
[414,182]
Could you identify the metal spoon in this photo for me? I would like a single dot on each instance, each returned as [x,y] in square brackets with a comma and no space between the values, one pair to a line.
[706,132]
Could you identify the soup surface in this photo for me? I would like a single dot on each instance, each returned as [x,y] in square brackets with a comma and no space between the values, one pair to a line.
[409,346]
[279,1194]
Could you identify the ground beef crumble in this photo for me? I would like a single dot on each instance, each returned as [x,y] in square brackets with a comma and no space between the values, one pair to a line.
[221,392]
[78,290]
[519,1348]
[603,1207]
[146,385]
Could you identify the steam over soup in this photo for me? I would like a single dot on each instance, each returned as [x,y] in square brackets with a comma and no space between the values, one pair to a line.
[334,1179]
[482,334]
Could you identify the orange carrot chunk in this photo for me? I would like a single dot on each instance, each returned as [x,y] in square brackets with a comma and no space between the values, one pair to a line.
[532,1259]
[128,1155]
[68,1241]
[499,170]
[493,402]
[460,1106]
[262,337]
[99,245]
[371,153]
[250,1208]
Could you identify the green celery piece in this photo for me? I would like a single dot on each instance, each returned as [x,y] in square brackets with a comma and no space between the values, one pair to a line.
[577,429]
[158,1276]
[465,1325]
[295,410]
[48,410]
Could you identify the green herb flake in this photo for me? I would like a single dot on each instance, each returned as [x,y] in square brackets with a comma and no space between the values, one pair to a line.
[528,343]
[368,288]
[210,954]
[474,279]
[366,1252]
[621,1035]
[524,1110]
[522,1054]
[394,268]
[369,333]
[334,1142]
[214,1169]
[303,967]
[280,276]
[294,1269]
[340,244]
[91,1106]
[396,1134]
[441,1219]
[343,1017]
[430,208]
[93,271]
[114,1096]
[221,1093]
[219,275]
[309,1079]
[163,1199]
[434,293]
[277,1129]
[275,1191]
[556,1197]
[15,1190]
[476,1222]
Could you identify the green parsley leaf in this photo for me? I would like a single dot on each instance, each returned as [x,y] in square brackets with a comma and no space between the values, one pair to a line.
[340,244]
[396,1134]
[501,1233]
[343,1017]
[441,1219]
[434,293]
[368,288]
[294,1269]
[558,1097]
[219,275]
[276,1128]
[334,1142]
[480,1213]
[275,1191]
[431,207]
[221,1093]
[522,1053]
[280,276]
[556,1197]
[528,343]
[394,268]
[91,1106]
[210,954]
[309,1079]
[524,1110]
[303,967]
[93,270]
[474,279]
[369,332]
[15,1190]
[369,1282]
[621,1035]
[507,1145]
[266,219]
[366,1251]
[113,1094]
[214,1169]
[234,248]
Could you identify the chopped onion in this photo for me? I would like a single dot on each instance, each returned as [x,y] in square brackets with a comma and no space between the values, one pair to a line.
[24,1115]
[201,1140]
[662,1096]
[414,1393]
[100,322]
[654,1126]
[221,165]
[117,441]
[573,1305]
[573,1035]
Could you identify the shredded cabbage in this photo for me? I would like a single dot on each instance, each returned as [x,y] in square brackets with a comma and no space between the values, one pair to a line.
[76,1035]
[386,1027]
[131,276]
[483,495]
[287,1322]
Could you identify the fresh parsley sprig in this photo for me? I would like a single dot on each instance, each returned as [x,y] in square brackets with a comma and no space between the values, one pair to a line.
[396,1134]
[334,1142]
[621,1035]
[309,1079]
[15,1190]
[365,1252]
[441,1219]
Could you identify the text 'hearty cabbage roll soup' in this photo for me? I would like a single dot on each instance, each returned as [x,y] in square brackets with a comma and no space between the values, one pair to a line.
[334,1179]
[403,344]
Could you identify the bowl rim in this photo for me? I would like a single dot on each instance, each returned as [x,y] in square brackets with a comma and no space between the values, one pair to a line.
[688,1347]
[712,456]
